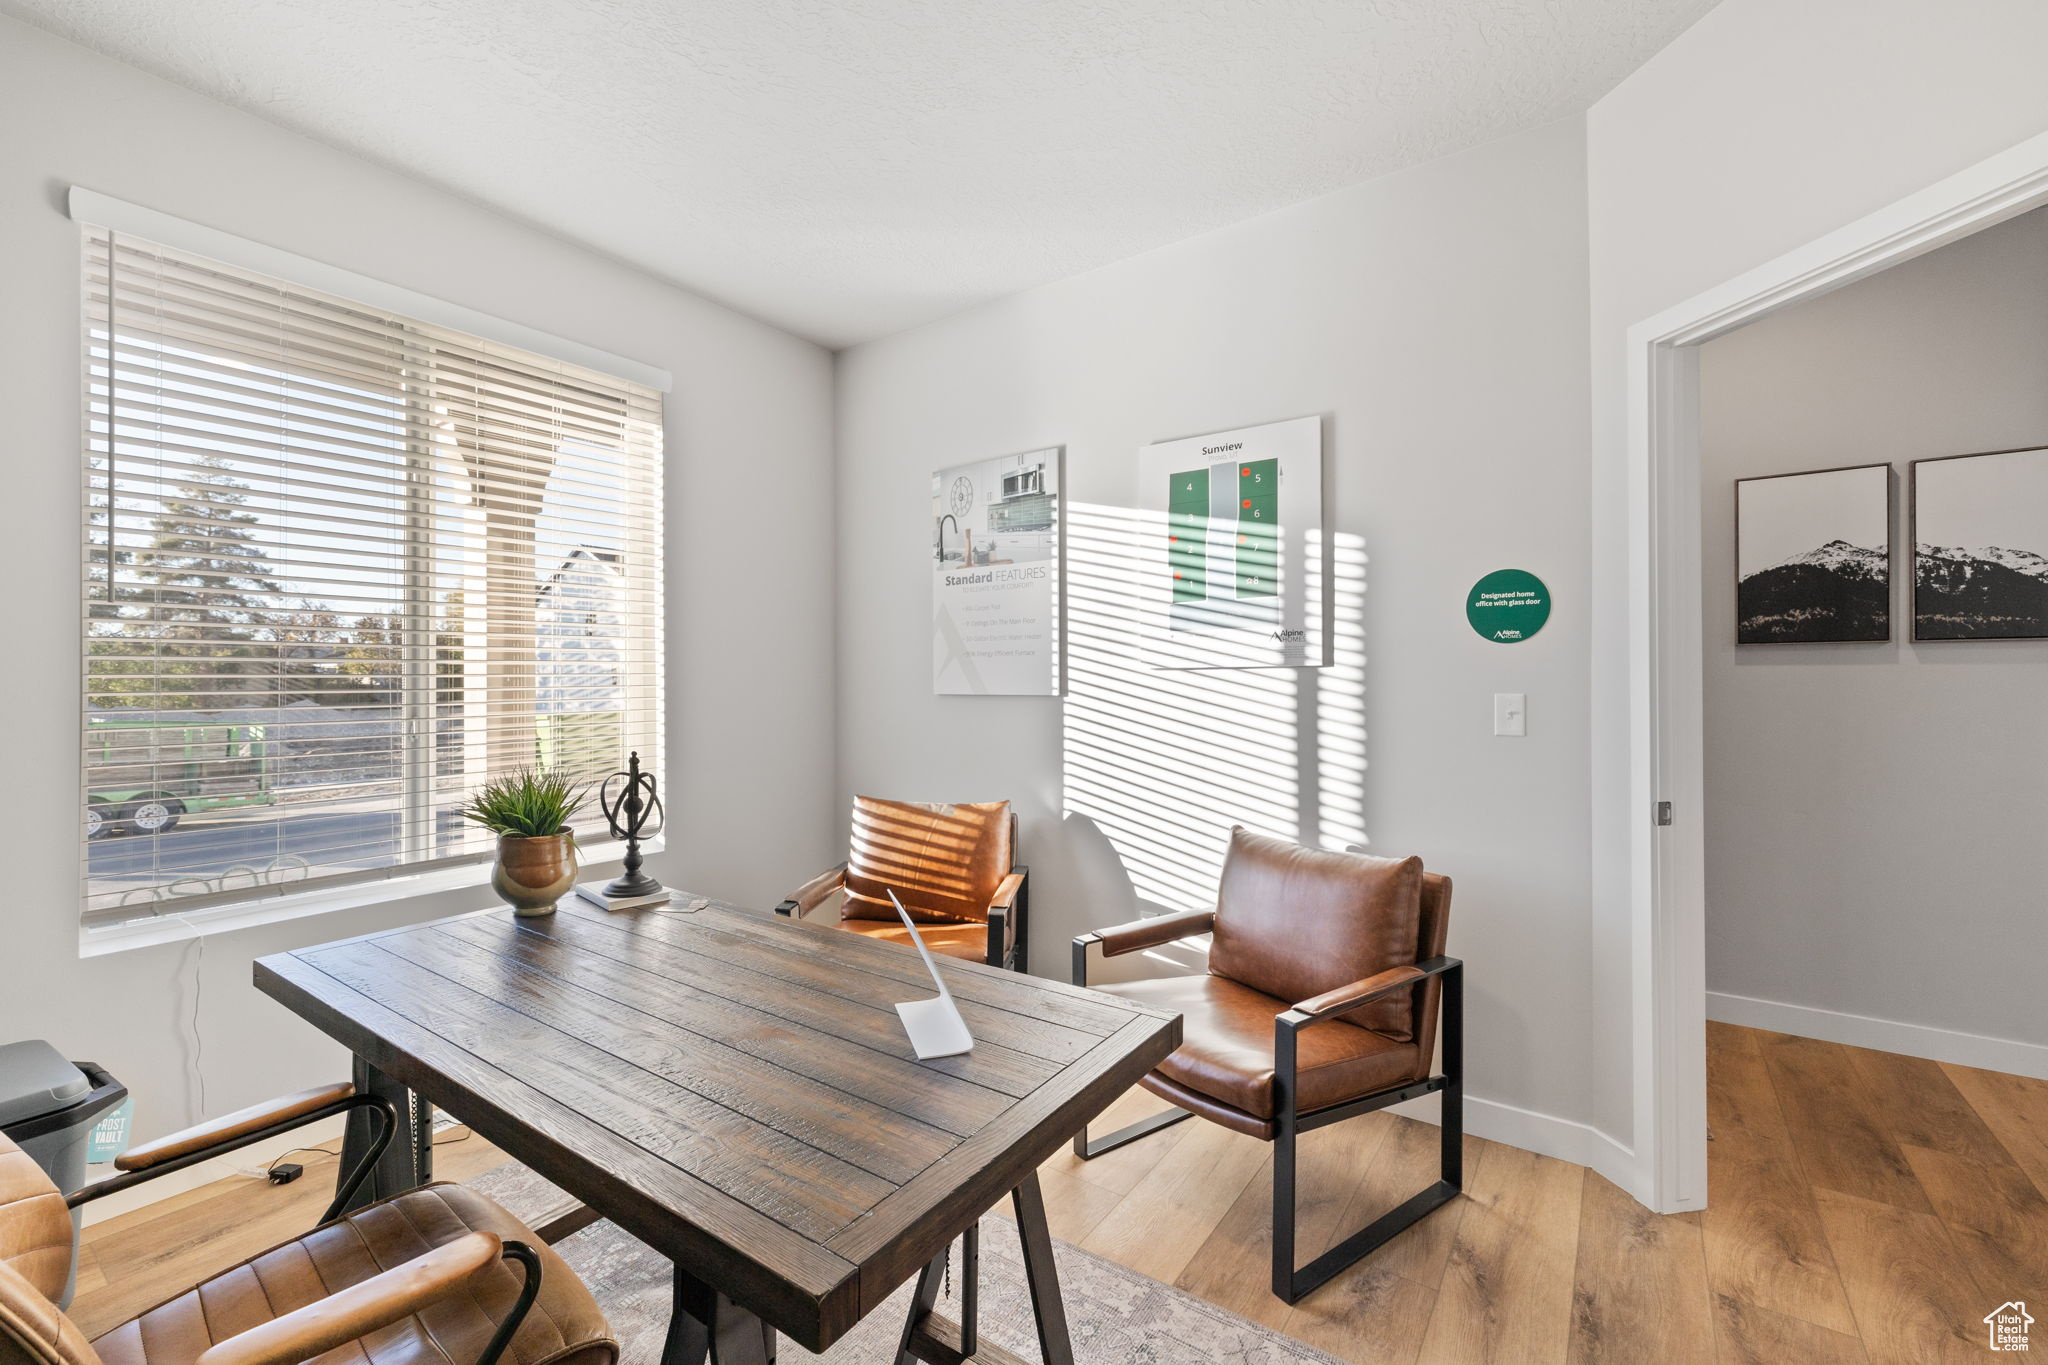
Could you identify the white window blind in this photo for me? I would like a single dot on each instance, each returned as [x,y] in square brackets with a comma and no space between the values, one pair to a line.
[341,567]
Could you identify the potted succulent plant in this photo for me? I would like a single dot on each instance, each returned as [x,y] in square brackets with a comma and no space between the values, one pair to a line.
[530,811]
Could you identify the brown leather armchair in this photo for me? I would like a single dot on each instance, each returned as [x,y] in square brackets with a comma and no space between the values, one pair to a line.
[954,868]
[1326,979]
[421,1278]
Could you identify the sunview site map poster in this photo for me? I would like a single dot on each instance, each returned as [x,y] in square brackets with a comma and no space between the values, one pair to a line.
[995,548]
[1234,574]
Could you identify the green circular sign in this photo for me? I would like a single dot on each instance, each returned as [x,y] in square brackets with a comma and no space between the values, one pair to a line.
[1508,606]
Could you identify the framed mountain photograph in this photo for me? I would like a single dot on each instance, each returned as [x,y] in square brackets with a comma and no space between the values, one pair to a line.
[1980,546]
[1813,557]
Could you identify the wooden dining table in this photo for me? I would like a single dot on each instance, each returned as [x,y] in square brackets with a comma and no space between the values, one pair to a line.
[736,1091]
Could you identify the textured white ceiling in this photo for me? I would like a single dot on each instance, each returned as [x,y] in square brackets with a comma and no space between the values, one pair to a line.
[848,168]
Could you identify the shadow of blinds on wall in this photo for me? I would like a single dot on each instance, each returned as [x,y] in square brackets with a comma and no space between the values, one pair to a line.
[341,566]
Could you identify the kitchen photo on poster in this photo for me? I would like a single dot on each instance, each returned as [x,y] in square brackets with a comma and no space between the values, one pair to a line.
[995,553]
[1233,574]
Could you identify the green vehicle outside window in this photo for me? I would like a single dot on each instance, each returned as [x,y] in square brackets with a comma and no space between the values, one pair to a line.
[146,775]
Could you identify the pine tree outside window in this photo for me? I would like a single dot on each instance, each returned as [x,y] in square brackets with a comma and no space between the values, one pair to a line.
[341,567]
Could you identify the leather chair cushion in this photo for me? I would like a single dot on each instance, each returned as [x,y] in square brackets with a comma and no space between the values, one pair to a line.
[32,1329]
[1215,1111]
[1226,1050]
[969,941]
[565,1326]
[35,1227]
[1294,922]
[945,862]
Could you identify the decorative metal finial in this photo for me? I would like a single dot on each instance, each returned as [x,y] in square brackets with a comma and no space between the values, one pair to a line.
[628,809]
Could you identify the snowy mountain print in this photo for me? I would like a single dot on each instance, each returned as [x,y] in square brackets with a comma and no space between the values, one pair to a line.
[1850,561]
[1988,593]
[1980,561]
[1833,592]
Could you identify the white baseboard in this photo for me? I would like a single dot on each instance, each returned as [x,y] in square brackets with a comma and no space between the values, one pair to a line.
[1884,1035]
[1544,1134]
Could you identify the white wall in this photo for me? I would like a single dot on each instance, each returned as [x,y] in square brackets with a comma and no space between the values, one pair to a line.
[750,543]
[1764,126]
[1873,811]
[1436,321]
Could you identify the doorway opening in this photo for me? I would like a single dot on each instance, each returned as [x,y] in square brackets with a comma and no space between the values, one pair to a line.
[1667,770]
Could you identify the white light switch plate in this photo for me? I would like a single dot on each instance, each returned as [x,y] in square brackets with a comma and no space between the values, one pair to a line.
[1511,713]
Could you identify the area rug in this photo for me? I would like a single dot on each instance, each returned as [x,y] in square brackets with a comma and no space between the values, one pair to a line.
[1116,1316]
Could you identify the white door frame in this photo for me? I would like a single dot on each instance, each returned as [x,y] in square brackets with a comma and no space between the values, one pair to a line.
[1667,865]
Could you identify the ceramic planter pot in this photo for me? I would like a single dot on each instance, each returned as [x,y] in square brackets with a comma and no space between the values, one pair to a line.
[533,873]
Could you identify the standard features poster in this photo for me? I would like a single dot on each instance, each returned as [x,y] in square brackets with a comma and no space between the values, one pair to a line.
[1235,574]
[995,550]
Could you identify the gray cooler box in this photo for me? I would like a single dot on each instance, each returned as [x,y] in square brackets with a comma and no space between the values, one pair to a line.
[48,1106]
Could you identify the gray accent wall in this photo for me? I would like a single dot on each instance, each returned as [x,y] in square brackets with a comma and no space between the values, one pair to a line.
[1875,812]
[1762,128]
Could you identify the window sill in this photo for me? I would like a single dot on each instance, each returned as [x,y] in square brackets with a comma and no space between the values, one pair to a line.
[174,926]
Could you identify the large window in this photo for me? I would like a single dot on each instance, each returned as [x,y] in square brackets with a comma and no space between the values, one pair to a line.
[340,567]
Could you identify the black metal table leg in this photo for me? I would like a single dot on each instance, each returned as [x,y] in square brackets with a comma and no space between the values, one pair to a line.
[409,1161]
[928,1337]
[704,1325]
[921,1305]
[1055,1347]
[970,1290]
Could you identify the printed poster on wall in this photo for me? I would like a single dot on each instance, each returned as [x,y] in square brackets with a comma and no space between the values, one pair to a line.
[1235,575]
[995,547]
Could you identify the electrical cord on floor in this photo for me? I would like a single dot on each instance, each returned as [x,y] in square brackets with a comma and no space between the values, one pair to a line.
[267,1168]
[263,1171]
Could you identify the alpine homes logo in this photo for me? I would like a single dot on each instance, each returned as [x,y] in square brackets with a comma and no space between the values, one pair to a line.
[2008,1325]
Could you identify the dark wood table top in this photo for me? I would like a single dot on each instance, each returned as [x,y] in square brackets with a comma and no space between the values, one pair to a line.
[733,1089]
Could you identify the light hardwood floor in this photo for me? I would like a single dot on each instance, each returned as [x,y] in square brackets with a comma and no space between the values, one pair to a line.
[1866,1208]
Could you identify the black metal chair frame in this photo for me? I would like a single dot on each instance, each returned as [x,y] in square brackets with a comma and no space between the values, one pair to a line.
[1292,1284]
[381,1110]
[1016,956]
